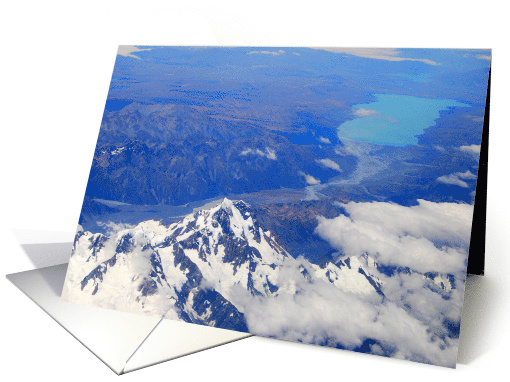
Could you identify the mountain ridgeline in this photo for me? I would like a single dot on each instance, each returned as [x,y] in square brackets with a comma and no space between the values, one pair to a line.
[175,154]
[204,269]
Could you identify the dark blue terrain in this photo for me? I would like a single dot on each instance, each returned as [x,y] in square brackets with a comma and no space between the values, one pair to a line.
[189,124]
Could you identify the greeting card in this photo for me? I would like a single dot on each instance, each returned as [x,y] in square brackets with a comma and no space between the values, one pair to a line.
[318,195]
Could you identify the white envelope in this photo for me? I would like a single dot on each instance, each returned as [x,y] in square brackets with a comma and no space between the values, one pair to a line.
[123,341]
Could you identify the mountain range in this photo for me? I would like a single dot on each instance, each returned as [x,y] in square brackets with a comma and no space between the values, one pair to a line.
[204,268]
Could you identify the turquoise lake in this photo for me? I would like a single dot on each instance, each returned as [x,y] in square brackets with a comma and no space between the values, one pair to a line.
[394,120]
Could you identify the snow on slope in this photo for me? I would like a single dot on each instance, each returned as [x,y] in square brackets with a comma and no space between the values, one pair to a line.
[220,267]
[170,270]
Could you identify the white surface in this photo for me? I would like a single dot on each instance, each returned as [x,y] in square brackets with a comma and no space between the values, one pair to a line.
[38,236]
[57,60]
[48,254]
[112,335]
[117,337]
[173,339]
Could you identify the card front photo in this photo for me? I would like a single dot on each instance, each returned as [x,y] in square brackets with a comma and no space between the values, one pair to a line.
[317,195]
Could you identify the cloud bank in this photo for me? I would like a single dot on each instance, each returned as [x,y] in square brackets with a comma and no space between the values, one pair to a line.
[473,149]
[429,237]
[413,320]
[456,178]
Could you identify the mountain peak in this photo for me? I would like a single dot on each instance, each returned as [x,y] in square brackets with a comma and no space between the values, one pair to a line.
[229,205]
[226,202]
[162,268]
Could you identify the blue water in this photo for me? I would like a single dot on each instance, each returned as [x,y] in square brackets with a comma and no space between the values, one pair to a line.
[394,120]
[420,77]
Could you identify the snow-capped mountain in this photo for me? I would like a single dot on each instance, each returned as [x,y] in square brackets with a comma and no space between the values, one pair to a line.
[199,269]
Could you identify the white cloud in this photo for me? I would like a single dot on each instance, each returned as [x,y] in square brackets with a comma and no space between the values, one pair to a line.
[373,113]
[309,179]
[273,53]
[456,178]
[268,153]
[387,54]
[483,57]
[330,164]
[325,140]
[364,112]
[315,314]
[429,237]
[453,180]
[127,50]
[474,149]
[409,320]
[407,323]
[466,175]
[112,227]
